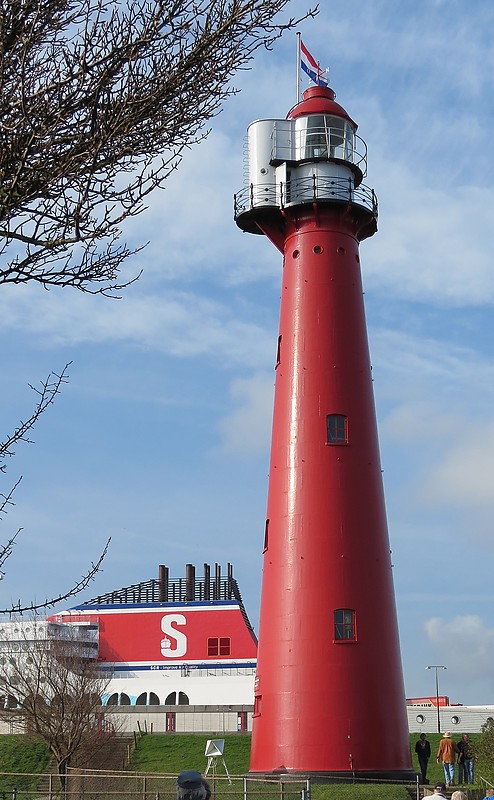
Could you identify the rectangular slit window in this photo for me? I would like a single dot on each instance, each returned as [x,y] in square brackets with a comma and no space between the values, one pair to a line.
[337,429]
[344,625]
[266,536]
[278,352]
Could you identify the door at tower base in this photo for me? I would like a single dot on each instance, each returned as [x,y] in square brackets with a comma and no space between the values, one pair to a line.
[329,696]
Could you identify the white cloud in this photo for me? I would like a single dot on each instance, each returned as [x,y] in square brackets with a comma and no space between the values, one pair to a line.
[181,324]
[433,246]
[190,227]
[412,423]
[464,643]
[464,478]
[247,429]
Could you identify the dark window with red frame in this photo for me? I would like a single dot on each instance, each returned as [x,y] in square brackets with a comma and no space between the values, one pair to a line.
[344,625]
[219,646]
[337,429]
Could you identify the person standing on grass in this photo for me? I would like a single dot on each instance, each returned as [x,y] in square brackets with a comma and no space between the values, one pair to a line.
[465,760]
[423,750]
[447,753]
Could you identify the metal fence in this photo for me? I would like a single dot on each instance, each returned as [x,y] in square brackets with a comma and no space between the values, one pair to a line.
[105,785]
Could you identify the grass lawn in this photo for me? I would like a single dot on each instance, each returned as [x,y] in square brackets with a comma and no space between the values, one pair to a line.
[169,754]
[23,754]
[172,753]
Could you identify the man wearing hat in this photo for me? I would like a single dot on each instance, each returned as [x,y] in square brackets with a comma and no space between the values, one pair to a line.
[192,786]
[447,752]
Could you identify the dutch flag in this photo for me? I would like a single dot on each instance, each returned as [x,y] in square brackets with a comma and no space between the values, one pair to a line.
[309,65]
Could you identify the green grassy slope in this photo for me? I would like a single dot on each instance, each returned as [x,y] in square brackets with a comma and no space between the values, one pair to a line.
[172,753]
[169,754]
[21,754]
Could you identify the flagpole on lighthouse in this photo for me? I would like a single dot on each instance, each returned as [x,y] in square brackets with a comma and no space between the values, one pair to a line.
[298,66]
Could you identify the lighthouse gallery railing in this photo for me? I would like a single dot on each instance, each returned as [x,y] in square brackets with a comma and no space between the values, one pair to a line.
[312,188]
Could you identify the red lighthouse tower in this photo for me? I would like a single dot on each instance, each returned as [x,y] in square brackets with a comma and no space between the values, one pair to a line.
[329,697]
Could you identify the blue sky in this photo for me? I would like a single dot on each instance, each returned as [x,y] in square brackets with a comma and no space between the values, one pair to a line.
[161,438]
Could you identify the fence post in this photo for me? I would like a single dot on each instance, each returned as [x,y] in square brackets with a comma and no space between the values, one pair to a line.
[417,787]
[245,788]
[144,787]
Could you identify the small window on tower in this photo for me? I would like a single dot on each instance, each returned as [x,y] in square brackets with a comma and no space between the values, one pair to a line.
[337,429]
[278,352]
[344,625]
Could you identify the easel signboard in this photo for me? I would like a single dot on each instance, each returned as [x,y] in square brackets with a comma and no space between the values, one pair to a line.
[213,752]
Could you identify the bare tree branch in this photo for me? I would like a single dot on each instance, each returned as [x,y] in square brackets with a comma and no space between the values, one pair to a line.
[82,583]
[46,392]
[50,678]
[99,100]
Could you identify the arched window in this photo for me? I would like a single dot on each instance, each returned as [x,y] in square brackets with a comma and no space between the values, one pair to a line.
[183,700]
[153,699]
[171,700]
[142,699]
[124,699]
[112,700]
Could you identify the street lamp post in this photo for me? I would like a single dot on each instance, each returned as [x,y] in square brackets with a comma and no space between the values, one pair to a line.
[436,667]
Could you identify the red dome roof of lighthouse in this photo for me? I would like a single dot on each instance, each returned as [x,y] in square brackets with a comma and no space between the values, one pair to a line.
[319,100]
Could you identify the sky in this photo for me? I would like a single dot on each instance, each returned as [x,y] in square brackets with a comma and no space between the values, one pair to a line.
[161,437]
